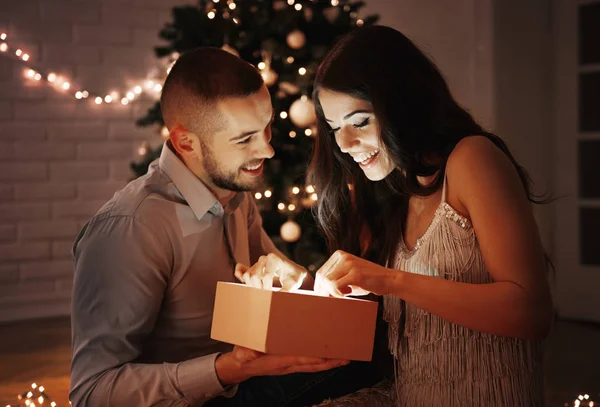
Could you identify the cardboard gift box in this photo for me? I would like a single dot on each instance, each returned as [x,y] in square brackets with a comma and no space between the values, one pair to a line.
[299,323]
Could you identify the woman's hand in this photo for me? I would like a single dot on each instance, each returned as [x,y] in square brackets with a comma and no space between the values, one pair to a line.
[346,274]
[264,271]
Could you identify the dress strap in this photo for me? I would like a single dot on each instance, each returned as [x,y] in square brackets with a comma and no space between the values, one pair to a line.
[444,189]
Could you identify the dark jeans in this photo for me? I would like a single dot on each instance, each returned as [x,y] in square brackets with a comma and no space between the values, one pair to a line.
[302,389]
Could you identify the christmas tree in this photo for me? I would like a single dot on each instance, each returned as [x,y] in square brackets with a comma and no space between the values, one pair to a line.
[285,40]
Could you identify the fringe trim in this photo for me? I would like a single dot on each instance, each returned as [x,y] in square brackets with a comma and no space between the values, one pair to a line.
[440,363]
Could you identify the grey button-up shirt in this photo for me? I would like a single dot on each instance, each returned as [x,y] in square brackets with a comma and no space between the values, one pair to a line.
[146,269]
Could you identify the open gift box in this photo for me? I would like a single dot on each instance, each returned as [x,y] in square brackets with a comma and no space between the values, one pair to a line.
[299,323]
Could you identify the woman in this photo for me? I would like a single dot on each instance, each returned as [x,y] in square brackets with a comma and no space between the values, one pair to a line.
[423,206]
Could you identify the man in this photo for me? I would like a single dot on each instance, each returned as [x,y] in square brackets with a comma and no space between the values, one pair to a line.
[147,264]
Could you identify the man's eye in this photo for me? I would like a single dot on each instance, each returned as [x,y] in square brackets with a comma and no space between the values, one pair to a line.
[244,141]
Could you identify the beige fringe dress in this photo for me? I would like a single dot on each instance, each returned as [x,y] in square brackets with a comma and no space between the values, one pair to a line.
[443,364]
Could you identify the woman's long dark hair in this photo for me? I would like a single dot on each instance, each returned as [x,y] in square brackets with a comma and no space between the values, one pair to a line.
[418,118]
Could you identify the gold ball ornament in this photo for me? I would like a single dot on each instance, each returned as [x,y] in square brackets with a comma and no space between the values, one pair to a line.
[230,49]
[269,76]
[296,39]
[290,231]
[302,112]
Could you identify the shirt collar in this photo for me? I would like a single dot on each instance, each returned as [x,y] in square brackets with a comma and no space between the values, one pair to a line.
[193,190]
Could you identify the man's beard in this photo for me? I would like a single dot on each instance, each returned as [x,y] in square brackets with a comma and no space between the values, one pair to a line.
[223,179]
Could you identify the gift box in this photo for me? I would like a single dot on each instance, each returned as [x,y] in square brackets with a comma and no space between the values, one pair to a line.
[299,323]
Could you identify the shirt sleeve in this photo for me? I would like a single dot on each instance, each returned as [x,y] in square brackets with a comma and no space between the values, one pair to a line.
[260,243]
[122,267]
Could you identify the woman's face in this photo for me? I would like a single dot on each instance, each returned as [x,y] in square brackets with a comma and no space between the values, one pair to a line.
[356,131]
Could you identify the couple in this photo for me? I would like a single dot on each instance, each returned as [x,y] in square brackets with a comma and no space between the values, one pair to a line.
[419,204]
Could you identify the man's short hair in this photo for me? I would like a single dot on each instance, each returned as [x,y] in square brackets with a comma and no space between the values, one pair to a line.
[197,81]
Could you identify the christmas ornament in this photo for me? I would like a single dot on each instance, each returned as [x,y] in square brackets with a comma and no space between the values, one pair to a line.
[289,88]
[267,73]
[331,14]
[302,112]
[269,76]
[296,39]
[290,231]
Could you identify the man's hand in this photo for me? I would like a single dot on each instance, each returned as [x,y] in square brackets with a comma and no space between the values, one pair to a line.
[261,274]
[242,363]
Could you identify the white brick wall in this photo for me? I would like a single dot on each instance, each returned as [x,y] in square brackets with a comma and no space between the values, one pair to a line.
[61,159]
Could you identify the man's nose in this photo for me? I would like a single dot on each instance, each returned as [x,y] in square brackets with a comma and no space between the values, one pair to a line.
[266,150]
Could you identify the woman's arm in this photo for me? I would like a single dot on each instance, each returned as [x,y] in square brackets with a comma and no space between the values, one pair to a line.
[484,186]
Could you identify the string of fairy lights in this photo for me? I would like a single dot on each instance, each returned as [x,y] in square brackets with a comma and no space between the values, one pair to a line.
[36,396]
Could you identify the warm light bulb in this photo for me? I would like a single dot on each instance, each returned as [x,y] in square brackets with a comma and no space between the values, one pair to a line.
[149,84]
[258,195]
[124,101]
[314,197]
[281,206]
[142,150]
[360,22]
[235,20]
[130,95]
[41,400]
[308,132]
[51,77]
[586,396]
[283,115]
[3,36]
[157,87]
[215,1]
[53,404]
[262,65]
[3,47]
[291,2]
[29,394]
[66,85]
[290,60]
[42,389]
[31,74]
[292,134]
[78,95]
[25,57]
[37,77]
[302,71]
[211,14]
[298,6]
[304,98]
[232,6]
[18,52]
[335,2]
[108,98]
[137,90]
[310,189]
[295,190]
[33,385]
[98,100]
[291,207]
[268,194]
[85,94]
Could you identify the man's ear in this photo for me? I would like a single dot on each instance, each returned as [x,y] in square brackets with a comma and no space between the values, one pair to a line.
[183,141]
